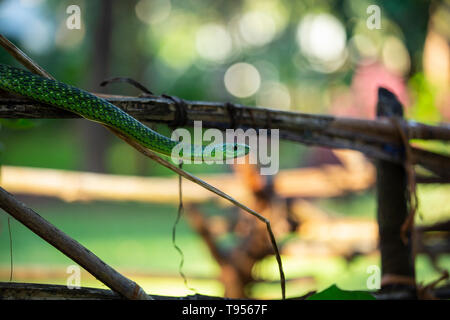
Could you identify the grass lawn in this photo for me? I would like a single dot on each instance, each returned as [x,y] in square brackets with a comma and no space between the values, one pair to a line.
[135,239]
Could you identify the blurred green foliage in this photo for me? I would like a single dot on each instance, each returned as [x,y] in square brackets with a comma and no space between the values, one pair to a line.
[135,239]
[424,107]
[164,56]
[334,293]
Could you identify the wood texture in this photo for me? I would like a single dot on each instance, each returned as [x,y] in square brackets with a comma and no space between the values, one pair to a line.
[71,248]
[397,259]
[371,137]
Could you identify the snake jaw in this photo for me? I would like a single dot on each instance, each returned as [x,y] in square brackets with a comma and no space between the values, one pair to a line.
[235,150]
[220,152]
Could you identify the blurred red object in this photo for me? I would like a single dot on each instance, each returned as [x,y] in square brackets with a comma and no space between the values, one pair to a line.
[361,100]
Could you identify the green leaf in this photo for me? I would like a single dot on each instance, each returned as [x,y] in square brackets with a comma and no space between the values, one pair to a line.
[334,293]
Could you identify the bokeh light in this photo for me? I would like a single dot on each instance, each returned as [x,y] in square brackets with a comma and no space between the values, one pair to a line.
[395,55]
[242,80]
[175,40]
[153,11]
[178,51]
[213,42]
[257,28]
[30,3]
[436,62]
[274,95]
[322,39]
[362,49]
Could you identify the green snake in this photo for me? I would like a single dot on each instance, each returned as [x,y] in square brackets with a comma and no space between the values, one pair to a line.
[96,109]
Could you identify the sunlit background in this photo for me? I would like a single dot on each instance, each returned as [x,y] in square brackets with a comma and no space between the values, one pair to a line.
[304,56]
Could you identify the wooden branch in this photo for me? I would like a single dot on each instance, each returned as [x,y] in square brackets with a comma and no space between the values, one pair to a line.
[430,180]
[160,109]
[443,226]
[437,163]
[33,291]
[29,63]
[36,291]
[442,292]
[323,233]
[367,136]
[152,155]
[22,57]
[397,259]
[237,263]
[198,222]
[71,248]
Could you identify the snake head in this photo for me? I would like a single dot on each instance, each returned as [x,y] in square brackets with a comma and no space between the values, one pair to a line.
[225,151]
[234,150]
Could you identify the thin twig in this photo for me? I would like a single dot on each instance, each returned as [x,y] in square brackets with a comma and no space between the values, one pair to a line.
[152,155]
[20,56]
[131,81]
[174,232]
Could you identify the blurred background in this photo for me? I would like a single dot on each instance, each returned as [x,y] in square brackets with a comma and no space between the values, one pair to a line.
[302,56]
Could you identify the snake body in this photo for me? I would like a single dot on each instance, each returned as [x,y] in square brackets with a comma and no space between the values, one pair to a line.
[96,109]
